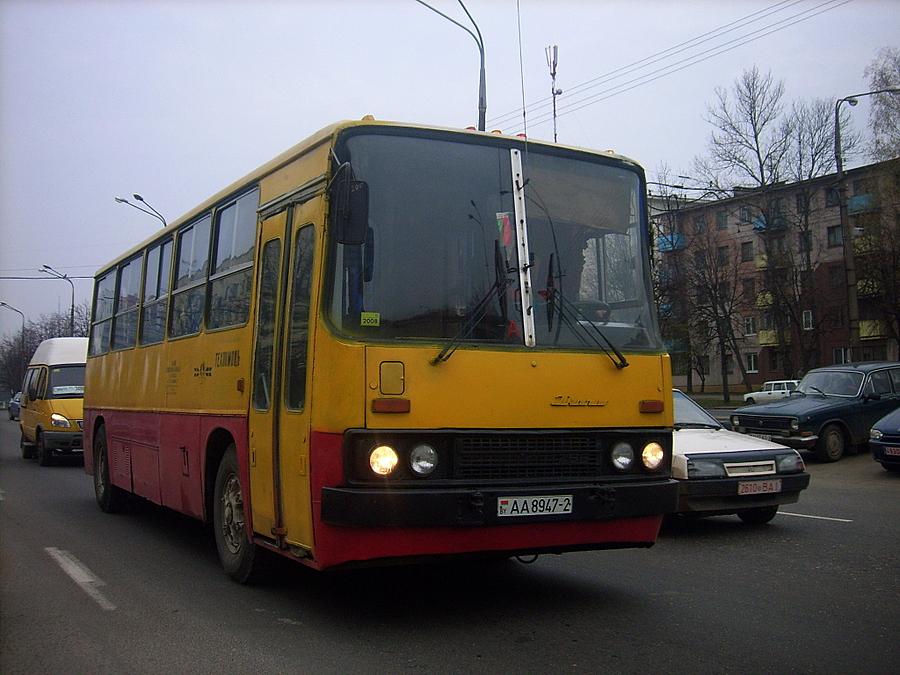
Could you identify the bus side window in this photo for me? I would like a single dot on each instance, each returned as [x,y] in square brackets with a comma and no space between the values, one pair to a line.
[298,338]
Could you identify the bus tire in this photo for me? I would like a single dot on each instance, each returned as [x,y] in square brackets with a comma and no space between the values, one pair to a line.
[236,551]
[110,498]
[26,447]
[44,454]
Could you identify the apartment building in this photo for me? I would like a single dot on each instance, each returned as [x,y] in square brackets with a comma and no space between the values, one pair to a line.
[762,273]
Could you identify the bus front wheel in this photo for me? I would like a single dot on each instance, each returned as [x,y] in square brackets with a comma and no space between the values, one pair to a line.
[236,551]
[110,499]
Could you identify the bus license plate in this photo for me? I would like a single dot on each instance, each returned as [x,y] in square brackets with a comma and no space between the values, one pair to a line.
[758,487]
[538,505]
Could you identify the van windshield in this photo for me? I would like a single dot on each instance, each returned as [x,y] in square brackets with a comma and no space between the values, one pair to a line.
[66,382]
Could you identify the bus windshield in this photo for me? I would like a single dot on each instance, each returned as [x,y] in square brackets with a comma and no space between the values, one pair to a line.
[66,382]
[440,259]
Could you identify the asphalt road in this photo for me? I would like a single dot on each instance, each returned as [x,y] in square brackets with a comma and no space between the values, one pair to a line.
[814,591]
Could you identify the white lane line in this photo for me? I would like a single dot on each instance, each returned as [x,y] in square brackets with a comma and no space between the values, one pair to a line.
[803,515]
[81,575]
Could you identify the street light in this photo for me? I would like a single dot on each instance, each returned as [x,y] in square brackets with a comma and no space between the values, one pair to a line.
[22,342]
[150,211]
[482,94]
[46,269]
[849,258]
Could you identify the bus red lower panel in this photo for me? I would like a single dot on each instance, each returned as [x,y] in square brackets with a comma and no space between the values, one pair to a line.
[337,545]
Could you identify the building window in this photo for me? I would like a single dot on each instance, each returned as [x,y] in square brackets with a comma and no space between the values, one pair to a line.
[746,251]
[835,237]
[773,360]
[745,214]
[752,363]
[832,197]
[836,276]
[801,201]
[748,289]
[804,241]
[704,364]
[721,220]
[699,224]
[807,319]
[749,325]
[841,355]
[767,323]
[729,364]
[722,255]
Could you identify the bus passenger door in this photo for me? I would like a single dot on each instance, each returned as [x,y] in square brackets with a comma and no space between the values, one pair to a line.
[262,420]
[294,418]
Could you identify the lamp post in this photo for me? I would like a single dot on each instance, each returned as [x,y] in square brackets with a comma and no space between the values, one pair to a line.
[482,94]
[22,341]
[150,211]
[46,269]
[849,257]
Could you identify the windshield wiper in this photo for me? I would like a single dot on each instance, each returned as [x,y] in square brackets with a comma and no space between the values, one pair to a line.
[819,390]
[501,282]
[582,327]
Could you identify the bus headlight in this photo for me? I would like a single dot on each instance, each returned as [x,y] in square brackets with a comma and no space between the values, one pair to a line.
[58,420]
[622,455]
[423,459]
[383,460]
[653,455]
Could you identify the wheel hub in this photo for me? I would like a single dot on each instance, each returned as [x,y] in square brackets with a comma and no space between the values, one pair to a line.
[232,515]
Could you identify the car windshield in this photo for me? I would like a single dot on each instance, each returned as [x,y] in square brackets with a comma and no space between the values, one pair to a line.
[66,382]
[688,413]
[831,383]
[440,260]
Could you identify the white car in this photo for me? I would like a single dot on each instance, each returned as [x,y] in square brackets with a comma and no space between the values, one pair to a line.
[723,472]
[771,391]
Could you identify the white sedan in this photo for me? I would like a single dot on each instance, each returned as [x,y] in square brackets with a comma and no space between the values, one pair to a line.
[723,472]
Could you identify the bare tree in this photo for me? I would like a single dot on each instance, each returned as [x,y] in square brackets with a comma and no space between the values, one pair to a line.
[884,116]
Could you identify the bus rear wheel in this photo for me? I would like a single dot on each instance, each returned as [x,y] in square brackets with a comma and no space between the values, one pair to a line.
[236,551]
[110,499]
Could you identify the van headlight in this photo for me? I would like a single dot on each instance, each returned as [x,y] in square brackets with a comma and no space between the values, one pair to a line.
[58,420]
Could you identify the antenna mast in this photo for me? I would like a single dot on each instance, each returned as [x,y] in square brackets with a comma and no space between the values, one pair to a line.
[552,53]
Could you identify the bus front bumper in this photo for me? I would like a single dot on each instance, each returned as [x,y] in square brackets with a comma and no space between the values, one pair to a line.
[470,507]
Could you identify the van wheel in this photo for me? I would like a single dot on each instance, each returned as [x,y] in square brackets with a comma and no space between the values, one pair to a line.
[44,454]
[110,499]
[236,551]
[758,516]
[831,444]
[26,447]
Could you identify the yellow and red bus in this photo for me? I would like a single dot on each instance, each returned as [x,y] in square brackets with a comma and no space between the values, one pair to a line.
[392,343]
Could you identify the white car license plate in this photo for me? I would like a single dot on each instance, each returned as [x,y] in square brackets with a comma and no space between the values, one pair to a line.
[538,505]
[758,487]
[892,451]
[765,437]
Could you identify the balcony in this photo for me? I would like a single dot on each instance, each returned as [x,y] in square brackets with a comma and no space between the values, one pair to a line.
[762,261]
[868,288]
[861,204]
[669,242]
[871,329]
[763,299]
[767,338]
[865,245]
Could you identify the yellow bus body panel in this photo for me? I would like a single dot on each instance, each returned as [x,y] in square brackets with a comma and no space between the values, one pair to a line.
[520,390]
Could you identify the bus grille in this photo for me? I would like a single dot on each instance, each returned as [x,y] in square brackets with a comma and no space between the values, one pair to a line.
[531,457]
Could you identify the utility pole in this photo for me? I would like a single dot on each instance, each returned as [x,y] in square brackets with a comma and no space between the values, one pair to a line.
[552,53]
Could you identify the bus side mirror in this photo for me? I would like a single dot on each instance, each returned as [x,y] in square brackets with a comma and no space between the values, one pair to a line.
[352,212]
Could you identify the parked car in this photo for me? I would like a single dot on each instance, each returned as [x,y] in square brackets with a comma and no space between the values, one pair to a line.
[13,407]
[884,440]
[722,472]
[831,410]
[772,390]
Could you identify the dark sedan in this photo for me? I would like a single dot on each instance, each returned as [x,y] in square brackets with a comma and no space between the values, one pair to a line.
[831,410]
[884,440]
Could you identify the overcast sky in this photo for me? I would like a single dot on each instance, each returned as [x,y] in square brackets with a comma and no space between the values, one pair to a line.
[175,100]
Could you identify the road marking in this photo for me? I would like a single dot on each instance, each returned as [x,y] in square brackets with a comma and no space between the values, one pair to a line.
[81,575]
[803,515]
